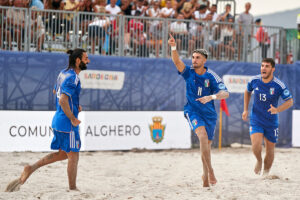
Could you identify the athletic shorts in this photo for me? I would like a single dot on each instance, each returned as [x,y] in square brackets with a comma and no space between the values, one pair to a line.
[270,133]
[66,141]
[195,120]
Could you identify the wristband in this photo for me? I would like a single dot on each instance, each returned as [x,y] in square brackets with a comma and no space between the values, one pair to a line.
[213,97]
[173,48]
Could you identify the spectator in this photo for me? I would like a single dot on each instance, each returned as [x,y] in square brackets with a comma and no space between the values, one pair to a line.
[226,15]
[187,11]
[168,11]
[5,35]
[85,18]
[227,39]
[139,7]
[126,7]
[262,38]
[37,4]
[98,29]
[245,21]
[179,31]
[16,22]
[37,29]
[113,9]
[54,20]
[213,11]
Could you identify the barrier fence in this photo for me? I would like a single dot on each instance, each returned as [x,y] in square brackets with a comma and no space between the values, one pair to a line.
[33,30]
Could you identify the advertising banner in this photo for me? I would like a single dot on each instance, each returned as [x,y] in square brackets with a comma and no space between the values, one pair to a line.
[296,129]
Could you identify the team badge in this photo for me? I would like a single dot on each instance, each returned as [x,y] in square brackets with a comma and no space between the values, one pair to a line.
[157,129]
[206,82]
[77,144]
[194,122]
[286,92]
[250,129]
[272,91]
[221,86]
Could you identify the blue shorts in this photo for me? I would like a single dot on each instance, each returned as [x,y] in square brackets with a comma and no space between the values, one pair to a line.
[270,133]
[66,141]
[195,121]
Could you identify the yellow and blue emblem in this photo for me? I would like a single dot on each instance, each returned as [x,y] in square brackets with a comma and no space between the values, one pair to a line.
[157,129]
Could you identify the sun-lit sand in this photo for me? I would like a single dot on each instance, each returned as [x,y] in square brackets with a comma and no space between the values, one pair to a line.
[171,174]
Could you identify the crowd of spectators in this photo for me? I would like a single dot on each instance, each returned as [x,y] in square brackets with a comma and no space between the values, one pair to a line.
[140,35]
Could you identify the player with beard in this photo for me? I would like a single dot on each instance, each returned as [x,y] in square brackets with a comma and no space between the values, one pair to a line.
[65,122]
[203,86]
[264,116]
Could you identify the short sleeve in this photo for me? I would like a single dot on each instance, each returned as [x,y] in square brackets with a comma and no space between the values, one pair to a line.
[186,72]
[250,86]
[286,94]
[69,85]
[217,83]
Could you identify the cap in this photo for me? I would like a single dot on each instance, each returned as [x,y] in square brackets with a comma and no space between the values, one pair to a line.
[201,51]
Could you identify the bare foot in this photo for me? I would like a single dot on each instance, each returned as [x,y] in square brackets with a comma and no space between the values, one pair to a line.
[266,172]
[212,179]
[13,186]
[205,181]
[26,173]
[258,167]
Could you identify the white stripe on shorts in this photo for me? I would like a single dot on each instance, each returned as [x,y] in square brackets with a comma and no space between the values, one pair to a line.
[188,118]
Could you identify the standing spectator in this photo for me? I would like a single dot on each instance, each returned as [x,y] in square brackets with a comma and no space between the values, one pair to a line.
[245,21]
[54,20]
[187,11]
[70,5]
[226,15]
[85,18]
[262,38]
[227,39]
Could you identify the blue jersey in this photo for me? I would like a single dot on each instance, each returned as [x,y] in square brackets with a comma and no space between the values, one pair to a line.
[67,83]
[199,86]
[266,94]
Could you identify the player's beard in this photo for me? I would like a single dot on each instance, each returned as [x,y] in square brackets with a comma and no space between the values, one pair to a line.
[82,66]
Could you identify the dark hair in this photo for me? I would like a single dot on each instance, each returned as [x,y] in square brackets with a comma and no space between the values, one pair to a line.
[269,60]
[201,51]
[73,55]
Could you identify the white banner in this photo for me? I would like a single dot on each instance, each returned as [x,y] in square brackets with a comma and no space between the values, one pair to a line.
[236,83]
[31,130]
[99,79]
[25,130]
[128,130]
[296,129]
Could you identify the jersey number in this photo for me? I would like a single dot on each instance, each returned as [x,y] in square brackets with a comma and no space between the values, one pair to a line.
[199,91]
[58,93]
[262,97]
[276,132]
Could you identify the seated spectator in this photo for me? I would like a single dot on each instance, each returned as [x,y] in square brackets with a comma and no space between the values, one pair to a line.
[155,30]
[16,22]
[227,38]
[139,7]
[179,31]
[37,4]
[113,9]
[37,29]
[168,11]
[126,7]
[97,30]
[187,11]
[5,36]
[54,20]
[70,5]
[85,18]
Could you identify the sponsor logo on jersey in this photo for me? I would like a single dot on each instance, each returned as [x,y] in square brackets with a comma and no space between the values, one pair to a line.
[157,129]
[206,82]
[272,91]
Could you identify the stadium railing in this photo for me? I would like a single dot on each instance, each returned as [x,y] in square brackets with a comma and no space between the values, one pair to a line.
[56,31]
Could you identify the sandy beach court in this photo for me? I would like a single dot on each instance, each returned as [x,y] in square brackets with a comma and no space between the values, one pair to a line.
[168,175]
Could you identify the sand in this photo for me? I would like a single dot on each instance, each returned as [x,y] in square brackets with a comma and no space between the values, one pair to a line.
[171,174]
